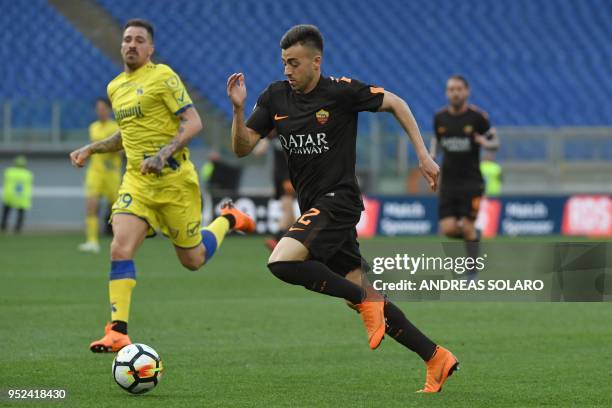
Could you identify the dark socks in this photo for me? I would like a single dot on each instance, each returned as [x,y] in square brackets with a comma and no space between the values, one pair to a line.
[315,276]
[5,213]
[20,217]
[405,333]
[120,326]
[472,248]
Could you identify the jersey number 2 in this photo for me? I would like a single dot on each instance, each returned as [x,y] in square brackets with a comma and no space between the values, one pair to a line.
[313,212]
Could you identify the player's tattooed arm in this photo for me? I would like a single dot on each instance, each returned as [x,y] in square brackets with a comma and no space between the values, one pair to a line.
[399,108]
[190,125]
[244,139]
[113,143]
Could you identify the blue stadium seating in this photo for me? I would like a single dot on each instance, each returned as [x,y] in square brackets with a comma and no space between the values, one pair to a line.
[45,59]
[530,63]
[536,63]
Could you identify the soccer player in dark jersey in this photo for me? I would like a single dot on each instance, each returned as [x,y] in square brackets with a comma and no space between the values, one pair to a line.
[461,130]
[315,118]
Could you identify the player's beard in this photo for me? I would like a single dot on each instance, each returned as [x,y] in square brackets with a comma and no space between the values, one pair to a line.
[134,63]
[458,104]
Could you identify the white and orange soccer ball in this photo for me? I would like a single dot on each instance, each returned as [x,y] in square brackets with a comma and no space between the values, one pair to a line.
[137,368]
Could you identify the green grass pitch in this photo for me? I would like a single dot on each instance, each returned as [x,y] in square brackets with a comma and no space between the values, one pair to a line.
[232,335]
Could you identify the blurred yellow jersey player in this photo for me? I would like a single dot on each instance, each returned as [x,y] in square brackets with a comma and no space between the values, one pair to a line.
[103,174]
[160,189]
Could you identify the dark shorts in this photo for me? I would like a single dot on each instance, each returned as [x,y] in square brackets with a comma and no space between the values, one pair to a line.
[328,231]
[460,204]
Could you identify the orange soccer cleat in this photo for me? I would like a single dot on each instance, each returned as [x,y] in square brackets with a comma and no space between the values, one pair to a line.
[244,223]
[439,368]
[373,316]
[112,341]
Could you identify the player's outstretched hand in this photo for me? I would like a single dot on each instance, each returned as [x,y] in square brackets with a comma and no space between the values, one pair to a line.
[236,90]
[79,157]
[431,171]
[153,164]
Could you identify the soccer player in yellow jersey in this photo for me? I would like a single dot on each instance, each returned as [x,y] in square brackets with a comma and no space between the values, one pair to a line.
[103,174]
[160,187]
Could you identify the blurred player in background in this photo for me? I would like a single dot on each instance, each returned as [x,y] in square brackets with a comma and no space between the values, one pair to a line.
[17,192]
[283,189]
[492,174]
[103,175]
[315,118]
[160,188]
[461,130]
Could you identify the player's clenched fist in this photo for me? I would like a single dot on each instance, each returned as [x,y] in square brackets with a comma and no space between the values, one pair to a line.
[79,157]
[154,164]
[236,90]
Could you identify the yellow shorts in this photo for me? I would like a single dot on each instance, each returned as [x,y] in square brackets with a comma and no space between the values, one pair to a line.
[102,184]
[171,204]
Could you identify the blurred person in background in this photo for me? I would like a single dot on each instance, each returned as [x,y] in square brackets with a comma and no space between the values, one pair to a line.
[103,175]
[220,181]
[17,192]
[491,173]
[220,176]
[283,189]
[461,130]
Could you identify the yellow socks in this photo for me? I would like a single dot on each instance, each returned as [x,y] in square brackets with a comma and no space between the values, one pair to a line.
[213,234]
[91,228]
[122,282]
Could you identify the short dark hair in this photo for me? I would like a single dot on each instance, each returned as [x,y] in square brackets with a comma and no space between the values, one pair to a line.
[140,22]
[460,78]
[305,34]
[104,101]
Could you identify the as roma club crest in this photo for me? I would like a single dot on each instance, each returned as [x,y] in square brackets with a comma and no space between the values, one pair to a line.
[322,116]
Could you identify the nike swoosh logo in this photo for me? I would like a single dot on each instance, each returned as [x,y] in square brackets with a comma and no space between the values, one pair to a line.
[296,229]
[279,117]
